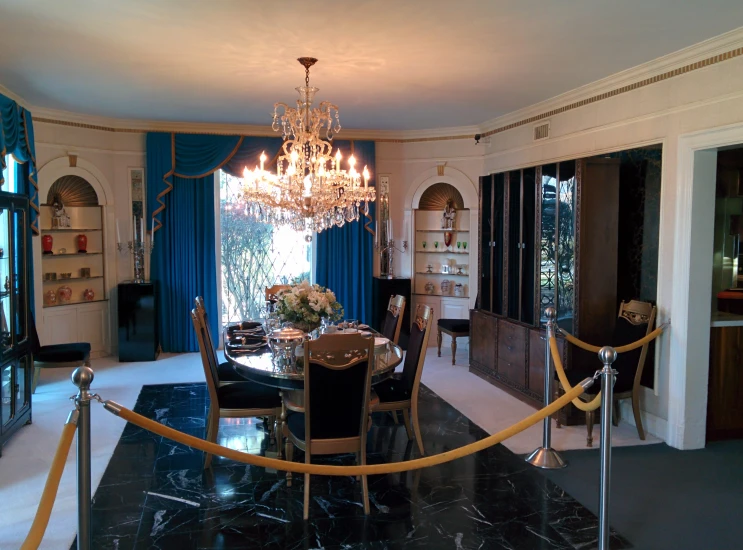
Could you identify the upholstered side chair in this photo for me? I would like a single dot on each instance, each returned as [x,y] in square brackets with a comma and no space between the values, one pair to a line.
[393,318]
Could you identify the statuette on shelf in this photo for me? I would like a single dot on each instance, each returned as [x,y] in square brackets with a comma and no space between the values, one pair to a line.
[429,268]
[449,216]
[60,219]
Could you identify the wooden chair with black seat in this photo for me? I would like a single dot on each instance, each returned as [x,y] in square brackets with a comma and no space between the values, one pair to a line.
[393,318]
[635,321]
[400,392]
[455,328]
[243,400]
[333,418]
[225,372]
[55,356]
[272,294]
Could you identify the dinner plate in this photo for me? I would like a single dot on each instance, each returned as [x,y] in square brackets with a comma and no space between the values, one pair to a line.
[380,341]
[364,327]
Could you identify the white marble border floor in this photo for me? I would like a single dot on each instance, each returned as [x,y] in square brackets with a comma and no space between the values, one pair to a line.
[27,456]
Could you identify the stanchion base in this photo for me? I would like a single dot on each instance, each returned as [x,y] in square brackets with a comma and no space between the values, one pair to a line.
[547,459]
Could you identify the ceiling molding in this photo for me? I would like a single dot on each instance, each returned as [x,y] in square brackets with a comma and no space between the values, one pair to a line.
[715,50]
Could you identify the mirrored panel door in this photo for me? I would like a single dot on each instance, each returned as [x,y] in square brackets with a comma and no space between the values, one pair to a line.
[499,202]
[6,342]
[514,244]
[528,206]
[19,279]
[547,242]
[486,238]
[566,194]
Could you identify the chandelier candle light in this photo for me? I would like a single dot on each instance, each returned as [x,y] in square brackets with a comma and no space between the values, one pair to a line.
[310,191]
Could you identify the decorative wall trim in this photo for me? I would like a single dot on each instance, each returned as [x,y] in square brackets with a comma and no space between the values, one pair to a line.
[704,54]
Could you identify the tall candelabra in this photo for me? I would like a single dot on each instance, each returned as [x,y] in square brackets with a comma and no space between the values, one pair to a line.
[386,257]
[138,249]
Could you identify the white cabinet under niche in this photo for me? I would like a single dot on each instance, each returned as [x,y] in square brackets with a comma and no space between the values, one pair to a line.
[78,323]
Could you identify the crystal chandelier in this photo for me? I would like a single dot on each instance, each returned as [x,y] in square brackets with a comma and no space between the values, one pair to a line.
[309,191]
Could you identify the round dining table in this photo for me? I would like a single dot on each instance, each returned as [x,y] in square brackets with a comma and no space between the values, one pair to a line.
[261,367]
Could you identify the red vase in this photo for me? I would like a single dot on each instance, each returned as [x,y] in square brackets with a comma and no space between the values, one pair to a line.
[82,243]
[46,244]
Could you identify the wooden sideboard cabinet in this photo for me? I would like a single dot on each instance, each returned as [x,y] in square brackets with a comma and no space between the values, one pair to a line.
[548,238]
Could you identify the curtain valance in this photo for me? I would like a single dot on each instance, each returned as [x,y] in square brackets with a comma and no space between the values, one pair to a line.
[194,156]
[17,139]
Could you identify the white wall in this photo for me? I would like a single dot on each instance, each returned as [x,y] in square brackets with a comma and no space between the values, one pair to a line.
[659,113]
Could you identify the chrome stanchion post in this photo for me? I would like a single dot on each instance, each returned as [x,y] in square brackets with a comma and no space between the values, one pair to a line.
[545,456]
[82,378]
[607,355]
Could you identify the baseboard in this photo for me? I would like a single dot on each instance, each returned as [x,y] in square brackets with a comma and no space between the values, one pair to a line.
[652,424]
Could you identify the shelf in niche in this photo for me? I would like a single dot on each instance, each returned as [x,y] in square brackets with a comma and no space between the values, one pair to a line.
[77,302]
[70,230]
[439,295]
[45,256]
[439,252]
[57,281]
[442,230]
[438,273]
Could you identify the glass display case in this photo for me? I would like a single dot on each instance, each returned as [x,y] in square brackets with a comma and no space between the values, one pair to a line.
[15,368]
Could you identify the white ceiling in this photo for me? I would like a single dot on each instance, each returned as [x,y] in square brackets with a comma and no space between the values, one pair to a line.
[388,64]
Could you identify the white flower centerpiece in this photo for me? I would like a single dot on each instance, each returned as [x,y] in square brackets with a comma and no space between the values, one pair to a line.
[305,305]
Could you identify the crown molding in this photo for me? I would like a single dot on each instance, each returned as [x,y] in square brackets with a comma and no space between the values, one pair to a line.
[674,64]
[687,56]
[15,97]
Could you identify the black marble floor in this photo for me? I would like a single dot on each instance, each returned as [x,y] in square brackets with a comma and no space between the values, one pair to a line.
[155,493]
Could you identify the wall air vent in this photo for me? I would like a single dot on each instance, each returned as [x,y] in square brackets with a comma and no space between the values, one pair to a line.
[542,131]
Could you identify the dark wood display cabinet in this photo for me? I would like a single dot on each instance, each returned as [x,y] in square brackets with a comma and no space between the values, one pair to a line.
[548,238]
[15,349]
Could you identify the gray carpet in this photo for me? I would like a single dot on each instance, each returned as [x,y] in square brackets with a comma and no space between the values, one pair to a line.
[663,498]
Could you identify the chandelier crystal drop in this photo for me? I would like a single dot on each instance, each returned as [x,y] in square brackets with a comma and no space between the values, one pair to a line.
[309,191]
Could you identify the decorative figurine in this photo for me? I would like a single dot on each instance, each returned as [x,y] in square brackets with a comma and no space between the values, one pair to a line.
[47,241]
[60,219]
[429,287]
[429,268]
[449,216]
[82,244]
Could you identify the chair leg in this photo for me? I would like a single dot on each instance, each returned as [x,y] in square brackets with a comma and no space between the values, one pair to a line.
[589,428]
[37,371]
[406,419]
[636,412]
[394,417]
[212,428]
[289,457]
[438,341]
[453,349]
[417,427]
[306,514]
[361,459]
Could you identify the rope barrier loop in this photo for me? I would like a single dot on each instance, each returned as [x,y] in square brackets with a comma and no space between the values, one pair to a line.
[621,349]
[322,469]
[592,405]
[49,495]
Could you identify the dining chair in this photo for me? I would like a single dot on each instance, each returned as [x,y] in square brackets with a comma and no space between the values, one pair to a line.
[400,392]
[393,319]
[231,400]
[272,294]
[55,356]
[225,372]
[635,321]
[337,384]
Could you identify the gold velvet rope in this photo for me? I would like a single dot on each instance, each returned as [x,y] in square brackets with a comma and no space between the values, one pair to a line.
[322,469]
[41,519]
[592,405]
[621,349]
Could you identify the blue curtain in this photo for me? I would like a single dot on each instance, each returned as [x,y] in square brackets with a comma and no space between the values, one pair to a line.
[180,197]
[345,254]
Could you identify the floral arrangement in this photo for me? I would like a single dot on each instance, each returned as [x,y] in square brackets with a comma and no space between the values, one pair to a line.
[305,305]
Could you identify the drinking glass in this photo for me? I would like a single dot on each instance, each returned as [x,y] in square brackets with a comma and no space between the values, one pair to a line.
[464,244]
[459,245]
[435,244]
[424,244]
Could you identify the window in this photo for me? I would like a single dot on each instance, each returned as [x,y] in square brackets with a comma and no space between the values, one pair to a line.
[254,256]
[9,175]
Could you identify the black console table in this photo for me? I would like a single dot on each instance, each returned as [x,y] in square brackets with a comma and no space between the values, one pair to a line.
[382,289]
[138,337]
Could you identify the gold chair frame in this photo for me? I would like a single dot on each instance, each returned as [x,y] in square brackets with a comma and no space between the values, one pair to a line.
[332,343]
[274,290]
[409,407]
[209,362]
[637,313]
[396,306]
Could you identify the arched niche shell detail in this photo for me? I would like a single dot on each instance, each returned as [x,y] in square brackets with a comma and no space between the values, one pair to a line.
[436,197]
[72,191]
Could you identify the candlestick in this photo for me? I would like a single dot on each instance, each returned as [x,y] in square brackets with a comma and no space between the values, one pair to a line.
[118,235]
[141,229]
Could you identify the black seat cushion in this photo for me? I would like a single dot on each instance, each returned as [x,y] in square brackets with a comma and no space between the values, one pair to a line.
[295,423]
[63,353]
[455,325]
[248,396]
[392,390]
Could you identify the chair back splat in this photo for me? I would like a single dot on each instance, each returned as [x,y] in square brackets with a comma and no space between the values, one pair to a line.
[417,344]
[208,356]
[393,318]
